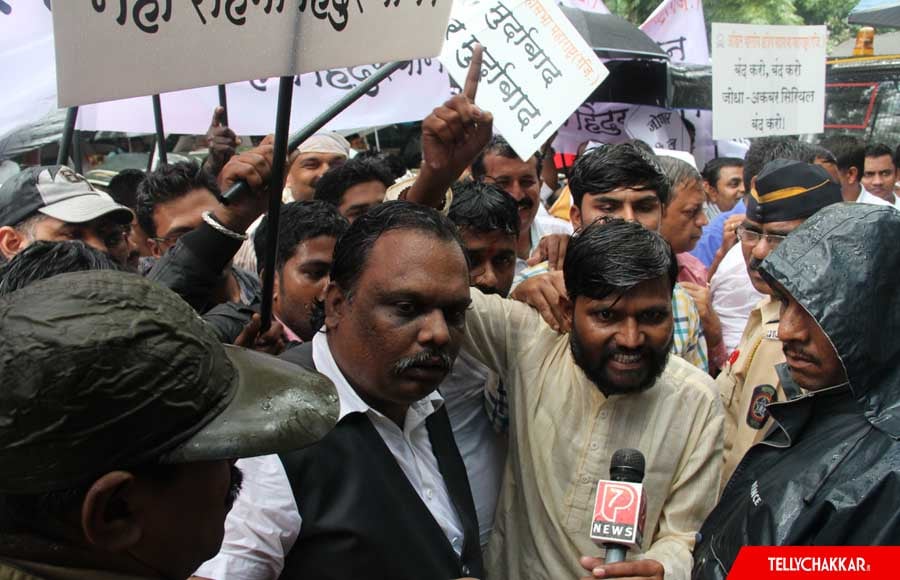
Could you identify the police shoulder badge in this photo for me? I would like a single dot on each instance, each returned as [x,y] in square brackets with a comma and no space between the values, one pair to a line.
[757,414]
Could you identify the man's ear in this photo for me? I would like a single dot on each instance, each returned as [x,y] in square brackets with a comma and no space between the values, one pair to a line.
[852,175]
[575,215]
[11,242]
[336,304]
[155,248]
[711,194]
[110,513]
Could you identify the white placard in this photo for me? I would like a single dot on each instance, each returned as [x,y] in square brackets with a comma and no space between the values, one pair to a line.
[115,49]
[619,122]
[27,71]
[536,70]
[768,80]
[409,94]
[678,27]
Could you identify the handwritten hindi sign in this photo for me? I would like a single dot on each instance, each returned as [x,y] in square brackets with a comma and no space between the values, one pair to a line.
[618,122]
[587,5]
[768,80]
[536,69]
[678,27]
[114,49]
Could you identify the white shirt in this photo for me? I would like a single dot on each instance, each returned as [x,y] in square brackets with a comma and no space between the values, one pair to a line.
[483,450]
[265,522]
[733,296]
[544,224]
[866,197]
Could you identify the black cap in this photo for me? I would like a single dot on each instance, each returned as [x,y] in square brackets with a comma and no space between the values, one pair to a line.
[788,190]
[106,370]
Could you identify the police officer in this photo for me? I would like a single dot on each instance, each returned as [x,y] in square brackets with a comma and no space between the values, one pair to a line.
[785,194]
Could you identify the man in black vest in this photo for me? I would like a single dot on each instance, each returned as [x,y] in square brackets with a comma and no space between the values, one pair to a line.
[385,495]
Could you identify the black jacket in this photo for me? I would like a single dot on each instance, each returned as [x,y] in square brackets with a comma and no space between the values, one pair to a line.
[829,471]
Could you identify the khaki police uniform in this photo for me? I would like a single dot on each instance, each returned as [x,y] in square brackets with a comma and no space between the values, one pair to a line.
[749,382]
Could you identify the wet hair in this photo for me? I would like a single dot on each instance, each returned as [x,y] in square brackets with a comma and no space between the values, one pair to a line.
[168,183]
[614,166]
[713,168]
[879,150]
[483,208]
[819,153]
[332,186]
[45,259]
[766,149]
[849,151]
[124,187]
[501,148]
[351,253]
[611,256]
[678,172]
[393,162]
[299,221]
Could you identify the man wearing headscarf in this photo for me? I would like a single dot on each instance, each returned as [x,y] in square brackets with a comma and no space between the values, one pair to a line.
[827,473]
[312,159]
[785,194]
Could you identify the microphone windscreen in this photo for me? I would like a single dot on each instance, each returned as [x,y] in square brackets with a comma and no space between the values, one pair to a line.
[627,465]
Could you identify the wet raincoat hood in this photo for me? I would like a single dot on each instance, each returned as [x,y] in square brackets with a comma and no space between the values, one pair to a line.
[842,266]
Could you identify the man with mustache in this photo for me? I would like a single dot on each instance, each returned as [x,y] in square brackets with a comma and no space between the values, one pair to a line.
[94,484]
[385,494]
[784,194]
[827,472]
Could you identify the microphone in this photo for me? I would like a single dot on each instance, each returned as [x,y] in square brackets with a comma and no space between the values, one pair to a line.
[620,506]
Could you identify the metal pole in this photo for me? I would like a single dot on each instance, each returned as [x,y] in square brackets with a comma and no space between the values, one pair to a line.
[377,142]
[276,183]
[223,102]
[76,153]
[320,121]
[160,133]
[65,142]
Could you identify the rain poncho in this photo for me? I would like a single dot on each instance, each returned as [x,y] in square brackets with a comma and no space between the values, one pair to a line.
[829,471]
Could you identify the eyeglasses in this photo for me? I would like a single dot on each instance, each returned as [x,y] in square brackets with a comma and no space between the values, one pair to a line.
[751,237]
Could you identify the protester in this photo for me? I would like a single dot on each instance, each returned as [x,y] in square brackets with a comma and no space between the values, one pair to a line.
[488,223]
[500,165]
[314,157]
[94,485]
[222,143]
[54,203]
[386,492]
[176,199]
[850,154]
[123,189]
[723,182]
[623,181]
[574,399]
[45,259]
[682,222]
[879,177]
[307,233]
[786,194]
[355,186]
[827,472]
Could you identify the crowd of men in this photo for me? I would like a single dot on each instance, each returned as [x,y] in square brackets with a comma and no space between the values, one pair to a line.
[449,367]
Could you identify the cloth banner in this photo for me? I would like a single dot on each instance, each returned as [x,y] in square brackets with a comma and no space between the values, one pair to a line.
[618,122]
[677,26]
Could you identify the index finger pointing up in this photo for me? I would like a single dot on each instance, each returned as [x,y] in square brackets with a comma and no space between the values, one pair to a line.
[474,75]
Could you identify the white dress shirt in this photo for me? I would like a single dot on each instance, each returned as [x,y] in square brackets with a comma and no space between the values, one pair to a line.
[866,197]
[265,522]
[544,224]
[733,296]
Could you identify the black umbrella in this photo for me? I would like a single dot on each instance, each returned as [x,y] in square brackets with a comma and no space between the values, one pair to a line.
[611,36]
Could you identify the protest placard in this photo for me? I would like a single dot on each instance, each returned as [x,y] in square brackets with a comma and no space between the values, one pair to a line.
[768,80]
[588,5]
[618,122]
[537,69]
[678,27]
[114,49]
[27,74]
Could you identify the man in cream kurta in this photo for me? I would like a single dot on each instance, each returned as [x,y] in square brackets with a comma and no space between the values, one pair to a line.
[563,432]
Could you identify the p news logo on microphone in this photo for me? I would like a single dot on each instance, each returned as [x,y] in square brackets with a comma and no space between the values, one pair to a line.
[620,509]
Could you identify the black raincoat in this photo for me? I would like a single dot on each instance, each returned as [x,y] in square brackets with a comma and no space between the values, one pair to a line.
[829,471]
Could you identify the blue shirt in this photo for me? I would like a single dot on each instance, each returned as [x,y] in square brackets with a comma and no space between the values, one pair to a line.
[711,238]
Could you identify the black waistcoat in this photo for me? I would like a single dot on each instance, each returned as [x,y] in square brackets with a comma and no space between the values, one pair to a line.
[361,516]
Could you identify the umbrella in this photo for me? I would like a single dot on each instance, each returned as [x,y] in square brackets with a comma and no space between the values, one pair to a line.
[611,36]
[876,13]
